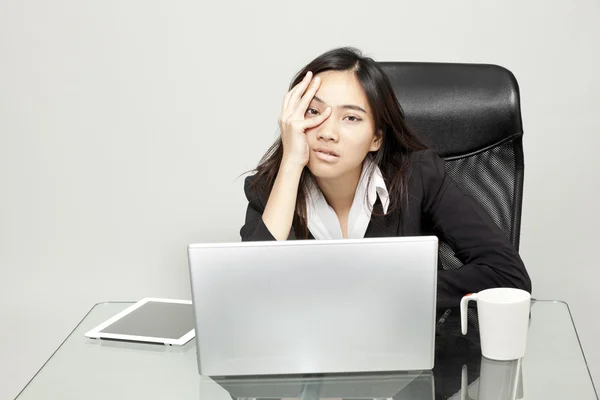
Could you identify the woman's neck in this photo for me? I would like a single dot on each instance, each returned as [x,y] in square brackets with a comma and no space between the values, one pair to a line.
[340,192]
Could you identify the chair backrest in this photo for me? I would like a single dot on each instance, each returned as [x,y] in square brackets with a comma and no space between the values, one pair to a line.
[470,114]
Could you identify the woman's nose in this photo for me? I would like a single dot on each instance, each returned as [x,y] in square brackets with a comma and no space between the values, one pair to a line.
[327,131]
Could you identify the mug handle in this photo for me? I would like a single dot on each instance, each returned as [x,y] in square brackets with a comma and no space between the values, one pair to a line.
[464,303]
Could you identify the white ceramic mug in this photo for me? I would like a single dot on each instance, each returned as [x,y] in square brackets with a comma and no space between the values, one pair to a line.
[503,315]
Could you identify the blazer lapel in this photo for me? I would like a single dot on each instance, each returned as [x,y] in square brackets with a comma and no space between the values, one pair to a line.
[382,225]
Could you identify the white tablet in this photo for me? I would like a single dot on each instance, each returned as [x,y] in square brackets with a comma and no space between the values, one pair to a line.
[152,320]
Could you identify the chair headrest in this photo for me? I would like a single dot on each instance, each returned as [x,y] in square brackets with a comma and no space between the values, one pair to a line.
[457,109]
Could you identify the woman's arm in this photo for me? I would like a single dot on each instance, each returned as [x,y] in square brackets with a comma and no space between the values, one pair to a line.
[254,228]
[489,259]
[272,221]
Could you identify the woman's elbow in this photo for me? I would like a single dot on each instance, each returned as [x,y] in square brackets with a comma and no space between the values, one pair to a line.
[512,275]
[520,279]
[525,282]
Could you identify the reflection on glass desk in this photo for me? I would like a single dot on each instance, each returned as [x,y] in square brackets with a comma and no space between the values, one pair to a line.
[554,367]
[407,385]
[498,380]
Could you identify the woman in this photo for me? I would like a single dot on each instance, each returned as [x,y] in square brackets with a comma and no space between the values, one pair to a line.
[347,166]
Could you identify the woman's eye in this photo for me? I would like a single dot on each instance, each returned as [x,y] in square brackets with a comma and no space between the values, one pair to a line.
[352,118]
[311,111]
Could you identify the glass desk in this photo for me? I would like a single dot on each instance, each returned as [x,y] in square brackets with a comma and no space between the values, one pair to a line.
[553,368]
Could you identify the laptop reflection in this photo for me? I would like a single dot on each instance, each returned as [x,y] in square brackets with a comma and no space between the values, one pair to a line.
[397,385]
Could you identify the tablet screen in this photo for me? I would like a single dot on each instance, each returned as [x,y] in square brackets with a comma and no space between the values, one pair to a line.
[155,319]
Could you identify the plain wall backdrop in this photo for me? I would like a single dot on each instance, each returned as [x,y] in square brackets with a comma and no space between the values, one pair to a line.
[124,125]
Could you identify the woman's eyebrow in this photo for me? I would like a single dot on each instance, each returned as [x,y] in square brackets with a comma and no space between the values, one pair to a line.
[346,106]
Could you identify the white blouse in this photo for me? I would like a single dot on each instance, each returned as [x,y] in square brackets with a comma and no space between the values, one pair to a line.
[323,222]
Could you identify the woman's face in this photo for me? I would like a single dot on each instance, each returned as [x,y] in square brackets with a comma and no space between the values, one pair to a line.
[340,144]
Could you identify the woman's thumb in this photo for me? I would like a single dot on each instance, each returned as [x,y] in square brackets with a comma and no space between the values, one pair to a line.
[319,119]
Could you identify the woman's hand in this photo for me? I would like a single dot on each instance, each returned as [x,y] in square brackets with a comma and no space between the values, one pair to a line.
[293,124]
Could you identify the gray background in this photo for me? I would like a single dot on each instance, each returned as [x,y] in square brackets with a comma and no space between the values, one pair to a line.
[124,125]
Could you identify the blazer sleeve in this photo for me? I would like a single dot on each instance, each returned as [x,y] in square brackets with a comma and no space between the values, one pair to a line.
[489,259]
[254,228]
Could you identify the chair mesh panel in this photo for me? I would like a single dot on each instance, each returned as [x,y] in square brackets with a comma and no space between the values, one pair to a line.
[490,178]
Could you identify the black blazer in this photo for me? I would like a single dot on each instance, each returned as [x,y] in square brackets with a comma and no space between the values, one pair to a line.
[435,205]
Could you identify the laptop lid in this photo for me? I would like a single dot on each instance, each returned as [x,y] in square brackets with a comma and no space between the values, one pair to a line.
[314,306]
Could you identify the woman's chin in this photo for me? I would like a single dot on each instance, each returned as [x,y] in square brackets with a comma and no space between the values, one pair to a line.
[320,171]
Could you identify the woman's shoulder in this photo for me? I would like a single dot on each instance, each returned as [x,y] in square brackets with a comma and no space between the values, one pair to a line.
[426,175]
[426,164]
[255,190]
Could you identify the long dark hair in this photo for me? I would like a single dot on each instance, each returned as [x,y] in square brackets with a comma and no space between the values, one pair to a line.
[398,141]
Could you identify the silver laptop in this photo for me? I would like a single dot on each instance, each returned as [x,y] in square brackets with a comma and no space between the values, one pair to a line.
[314,306]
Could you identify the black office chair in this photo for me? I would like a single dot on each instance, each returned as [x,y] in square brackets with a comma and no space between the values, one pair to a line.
[470,114]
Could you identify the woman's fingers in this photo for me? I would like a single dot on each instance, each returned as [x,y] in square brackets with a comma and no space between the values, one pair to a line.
[286,100]
[316,121]
[296,93]
[304,102]
[288,95]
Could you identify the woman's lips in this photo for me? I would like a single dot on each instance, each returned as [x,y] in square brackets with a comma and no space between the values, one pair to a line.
[326,155]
